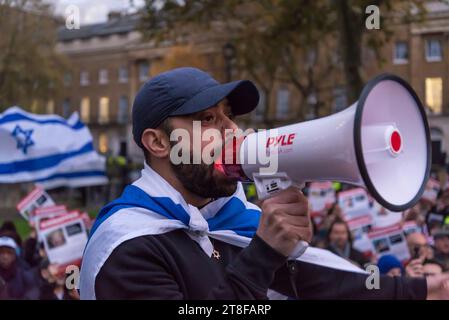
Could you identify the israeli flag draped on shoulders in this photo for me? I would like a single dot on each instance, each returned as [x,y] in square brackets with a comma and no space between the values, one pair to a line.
[151,206]
[48,150]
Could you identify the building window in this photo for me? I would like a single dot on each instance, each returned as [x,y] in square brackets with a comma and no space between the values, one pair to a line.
[84,78]
[103,76]
[103,116]
[434,51]
[66,108]
[50,107]
[103,143]
[283,99]
[123,109]
[34,106]
[144,69]
[261,106]
[85,109]
[400,52]
[434,94]
[67,79]
[123,74]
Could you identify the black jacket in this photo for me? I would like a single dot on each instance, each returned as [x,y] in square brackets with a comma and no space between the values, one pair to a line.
[354,255]
[173,266]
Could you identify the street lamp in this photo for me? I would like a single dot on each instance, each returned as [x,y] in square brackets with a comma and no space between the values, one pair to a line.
[229,55]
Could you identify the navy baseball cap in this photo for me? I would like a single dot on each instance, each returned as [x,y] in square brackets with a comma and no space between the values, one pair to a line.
[185,91]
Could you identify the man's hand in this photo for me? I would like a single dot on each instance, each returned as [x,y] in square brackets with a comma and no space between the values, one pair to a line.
[414,268]
[285,220]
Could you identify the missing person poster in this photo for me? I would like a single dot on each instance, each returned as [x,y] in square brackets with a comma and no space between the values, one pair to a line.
[37,198]
[354,203]
[390,240]
[360,227]
[321,197]
[47,212]
[64,238]
[410,227]
[88,222]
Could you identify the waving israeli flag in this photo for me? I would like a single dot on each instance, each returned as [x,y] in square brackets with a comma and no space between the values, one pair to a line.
[49,150]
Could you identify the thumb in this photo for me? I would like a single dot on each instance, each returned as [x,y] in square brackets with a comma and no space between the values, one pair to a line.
[422,258]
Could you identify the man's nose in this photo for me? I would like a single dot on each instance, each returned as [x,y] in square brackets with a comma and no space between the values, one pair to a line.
[229,127]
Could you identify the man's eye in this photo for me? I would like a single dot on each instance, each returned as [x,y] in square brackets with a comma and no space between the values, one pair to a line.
[208,118]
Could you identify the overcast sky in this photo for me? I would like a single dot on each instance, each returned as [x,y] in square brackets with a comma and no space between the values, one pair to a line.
[93,11]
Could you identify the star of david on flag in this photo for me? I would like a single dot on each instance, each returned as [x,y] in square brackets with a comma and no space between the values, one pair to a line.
[23,138]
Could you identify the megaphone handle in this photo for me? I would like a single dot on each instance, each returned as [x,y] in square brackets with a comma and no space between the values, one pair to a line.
[299,250]
[267,186]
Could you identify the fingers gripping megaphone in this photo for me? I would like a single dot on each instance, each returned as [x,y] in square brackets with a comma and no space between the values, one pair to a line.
[381,143]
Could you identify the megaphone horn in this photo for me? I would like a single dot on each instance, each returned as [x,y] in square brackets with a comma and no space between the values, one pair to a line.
[381,142]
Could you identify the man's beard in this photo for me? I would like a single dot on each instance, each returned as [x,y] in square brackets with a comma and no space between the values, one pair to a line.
[200,180]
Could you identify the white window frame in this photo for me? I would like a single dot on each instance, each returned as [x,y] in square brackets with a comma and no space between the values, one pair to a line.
[433,58]
[84,78]
[103,76]
[68,79]
[121,78]
[120,112]
[142,77]
[397,60]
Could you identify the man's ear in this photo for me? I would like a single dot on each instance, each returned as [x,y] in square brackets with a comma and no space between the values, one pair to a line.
[156,142]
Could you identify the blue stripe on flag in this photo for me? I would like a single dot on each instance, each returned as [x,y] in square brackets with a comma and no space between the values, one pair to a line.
[244,221]
[18,117]
[133,196]
[42,162]
[70,175]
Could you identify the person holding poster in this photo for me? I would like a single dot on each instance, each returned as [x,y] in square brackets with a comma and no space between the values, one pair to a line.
[186,231]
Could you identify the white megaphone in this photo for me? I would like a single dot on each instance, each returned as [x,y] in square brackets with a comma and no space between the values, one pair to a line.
[381,142]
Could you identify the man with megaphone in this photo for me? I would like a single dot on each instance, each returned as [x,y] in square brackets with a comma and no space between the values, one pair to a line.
[185,230]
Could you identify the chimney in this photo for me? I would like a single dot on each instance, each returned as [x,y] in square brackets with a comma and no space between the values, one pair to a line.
[114,15]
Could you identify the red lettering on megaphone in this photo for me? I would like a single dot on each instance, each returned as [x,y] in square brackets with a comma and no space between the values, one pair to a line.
[282,140]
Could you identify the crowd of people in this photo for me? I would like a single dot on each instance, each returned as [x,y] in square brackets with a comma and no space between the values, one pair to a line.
[428,244]
[26,273]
